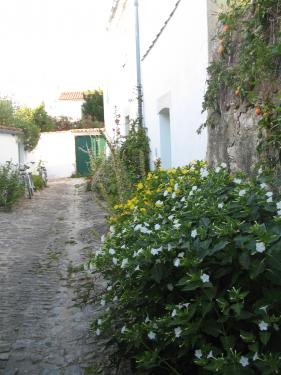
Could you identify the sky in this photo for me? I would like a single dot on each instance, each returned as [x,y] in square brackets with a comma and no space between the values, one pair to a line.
[51,46]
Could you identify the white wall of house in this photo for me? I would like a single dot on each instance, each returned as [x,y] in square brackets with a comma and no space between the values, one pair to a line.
[57,151]
[68,108]
[174,76]
[11,148]
[174,73]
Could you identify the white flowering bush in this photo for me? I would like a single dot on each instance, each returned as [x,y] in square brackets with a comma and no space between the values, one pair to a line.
[193,264]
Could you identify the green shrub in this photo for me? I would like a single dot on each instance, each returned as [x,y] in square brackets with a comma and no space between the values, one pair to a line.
[193,265]
[38,182]
[11,186]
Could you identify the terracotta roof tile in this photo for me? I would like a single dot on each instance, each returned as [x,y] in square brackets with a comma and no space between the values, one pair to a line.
[76,95]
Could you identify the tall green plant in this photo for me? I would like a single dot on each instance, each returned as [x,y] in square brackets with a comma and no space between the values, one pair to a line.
[11,185]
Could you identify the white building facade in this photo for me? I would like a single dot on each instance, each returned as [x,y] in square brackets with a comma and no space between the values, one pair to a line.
[174,61]
[11,145]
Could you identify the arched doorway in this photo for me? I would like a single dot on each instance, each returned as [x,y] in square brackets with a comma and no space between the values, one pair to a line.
[165,138]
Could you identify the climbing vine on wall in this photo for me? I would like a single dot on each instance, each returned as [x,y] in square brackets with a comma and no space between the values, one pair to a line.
[247,69]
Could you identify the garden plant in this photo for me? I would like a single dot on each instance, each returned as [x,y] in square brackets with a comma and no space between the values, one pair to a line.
[11,186]
[193,263]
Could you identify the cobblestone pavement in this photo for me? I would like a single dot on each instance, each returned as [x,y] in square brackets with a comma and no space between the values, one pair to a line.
[42,330]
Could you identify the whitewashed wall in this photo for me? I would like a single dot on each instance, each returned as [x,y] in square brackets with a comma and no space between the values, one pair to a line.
[173,73]
[57,151]
[174,77]
[9,148]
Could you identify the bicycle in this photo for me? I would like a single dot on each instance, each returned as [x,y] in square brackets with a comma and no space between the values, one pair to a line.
[27,179]
[42,171]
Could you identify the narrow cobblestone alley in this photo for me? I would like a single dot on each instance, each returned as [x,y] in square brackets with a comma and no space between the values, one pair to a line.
[42,331]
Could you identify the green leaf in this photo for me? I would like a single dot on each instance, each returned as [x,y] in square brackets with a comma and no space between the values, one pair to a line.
[218,247]
[247,337]
[264,337]
[244,260]
[157,273]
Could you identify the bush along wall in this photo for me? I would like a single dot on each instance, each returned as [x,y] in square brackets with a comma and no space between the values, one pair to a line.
[243,98]
[11,186]
[193,264]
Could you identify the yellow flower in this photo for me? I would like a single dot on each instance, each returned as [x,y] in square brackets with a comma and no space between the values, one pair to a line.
[169,189]
[149,176]
[139,186]
[143,210]
[148,192]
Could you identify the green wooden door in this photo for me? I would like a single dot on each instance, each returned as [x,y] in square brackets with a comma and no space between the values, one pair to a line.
[87,146]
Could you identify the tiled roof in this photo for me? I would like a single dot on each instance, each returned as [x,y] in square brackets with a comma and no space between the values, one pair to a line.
[76,95]
[10,129]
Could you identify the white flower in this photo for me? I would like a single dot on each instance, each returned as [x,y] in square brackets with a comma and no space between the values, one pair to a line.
[204,172]
[269,200]
[210,354]
[137,227]
[190,193]
[244,361]
[183,199]
[99,321]
[171,217]
[156,251]
[165,193]
[140,251]
[111,251]
[223,165]
[178,331]
[145,230]
[255,356]
[177,225]
[217,170]
[186,305]
[260,170]
[205,278]
[174,313]
[264,186]
[198,353]
[151,335]
[170,287]
[99,252]
[279,212]
[242,193]
[174,195]
[194,233]
[102,302]
[177,262]
[111,229]
[176,186]
[137,268]
[135,254]
[123,246]
[181,255]
[269,194]
[169,247]
[147,320]
[98,332]
[102,239]
[194,188]
[278,205]
[220,205]
[124,263]
[157,226]
[159,203]
[114,261]
[260,247]
[123,329]
[263,326]
[237,181]
[115,299]
[109,288]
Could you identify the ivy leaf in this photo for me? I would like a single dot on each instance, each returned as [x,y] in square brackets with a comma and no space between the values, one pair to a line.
[218,247]
[247,337]
[244,260]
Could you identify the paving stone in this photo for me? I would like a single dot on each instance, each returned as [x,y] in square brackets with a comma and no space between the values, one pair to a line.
[41,331]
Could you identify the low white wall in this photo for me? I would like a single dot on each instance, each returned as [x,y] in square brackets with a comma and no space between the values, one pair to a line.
[9,148]
[57,151]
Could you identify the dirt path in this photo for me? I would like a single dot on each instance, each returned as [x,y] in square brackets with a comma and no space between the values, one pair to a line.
[42,332]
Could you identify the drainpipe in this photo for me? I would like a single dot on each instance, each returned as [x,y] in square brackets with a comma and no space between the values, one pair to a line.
[139,85]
